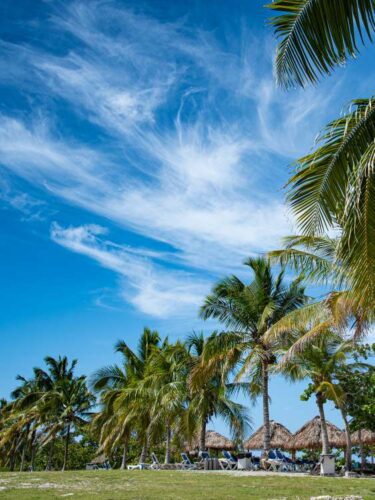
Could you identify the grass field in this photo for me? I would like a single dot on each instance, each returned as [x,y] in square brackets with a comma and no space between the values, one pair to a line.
[112,485]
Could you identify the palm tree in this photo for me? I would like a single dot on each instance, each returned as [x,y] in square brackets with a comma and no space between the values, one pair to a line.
[71,402]
[319,362]
[249,311]
[122,404]
[316,257]
[165,379]
[211,391]
[334,185]
[24,408]
[60,399]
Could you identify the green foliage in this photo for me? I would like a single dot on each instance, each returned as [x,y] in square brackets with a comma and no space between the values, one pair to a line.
[317,35]
[357,380]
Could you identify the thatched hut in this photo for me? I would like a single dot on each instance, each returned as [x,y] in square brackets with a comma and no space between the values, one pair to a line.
[309,436]
[363,437]
[281,437]
[214,441]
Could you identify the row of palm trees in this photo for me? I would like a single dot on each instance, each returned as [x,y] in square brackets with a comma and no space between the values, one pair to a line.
[51,403]
[168,392]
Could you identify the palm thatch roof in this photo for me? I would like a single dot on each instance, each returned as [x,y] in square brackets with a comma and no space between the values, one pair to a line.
[367,437]
[281,437]
[99,460]
[214,441]
[309,436]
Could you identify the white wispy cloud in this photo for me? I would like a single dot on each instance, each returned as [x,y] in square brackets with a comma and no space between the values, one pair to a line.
[191,138]
[148,286]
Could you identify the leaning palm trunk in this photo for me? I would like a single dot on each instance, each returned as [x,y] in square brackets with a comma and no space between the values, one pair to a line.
[167,459]
[348,451]
[50,455]
[323,423]
[202,436]
[24,448]
[66,450]
[266,410]
[23,454]
[144,451]
[124,456]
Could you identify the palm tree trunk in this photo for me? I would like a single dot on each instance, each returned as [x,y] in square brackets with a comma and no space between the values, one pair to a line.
[23,454]
[13,453]
[12,460]
[266,409]
[361,451]
[124,456]
[323,423]
[50,455]
[202,436]
[144,451]
[66,450]
[167,459]
[348,450]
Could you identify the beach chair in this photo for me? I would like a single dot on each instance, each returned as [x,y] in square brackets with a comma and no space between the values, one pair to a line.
[186,463]
[140,466]
[204,455]
[271,462]
[287,464]
[156,465]
[256,462]
[228,462]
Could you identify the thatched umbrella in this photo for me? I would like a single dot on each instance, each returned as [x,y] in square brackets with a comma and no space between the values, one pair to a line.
[364,437]
[309,436]
[281,437]
[214,441]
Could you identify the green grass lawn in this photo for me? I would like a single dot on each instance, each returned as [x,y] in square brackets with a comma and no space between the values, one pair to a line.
[108,485]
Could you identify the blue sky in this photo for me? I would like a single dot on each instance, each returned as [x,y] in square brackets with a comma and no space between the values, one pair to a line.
[143,151]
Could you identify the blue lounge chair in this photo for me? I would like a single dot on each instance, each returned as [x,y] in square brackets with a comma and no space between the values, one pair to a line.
[229,462]
[186,462]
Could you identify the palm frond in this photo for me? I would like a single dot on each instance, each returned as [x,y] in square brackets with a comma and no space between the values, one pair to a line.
[320,186]
[317,35]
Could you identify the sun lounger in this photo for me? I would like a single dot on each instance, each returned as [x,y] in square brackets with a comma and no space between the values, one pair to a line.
[228,462]
[140,466]
[186,463]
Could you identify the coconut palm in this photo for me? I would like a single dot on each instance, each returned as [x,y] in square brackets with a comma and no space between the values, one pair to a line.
[165,379]
[319,363]
[25,409]
[249,311]
[70,401]
[123,407]
[334,185]
[210,392]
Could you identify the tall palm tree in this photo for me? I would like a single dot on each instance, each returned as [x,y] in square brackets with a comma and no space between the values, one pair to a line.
[122,405]
[71,402]
[334,185]
[249,311]
[59,398]
[319,362]
[166,375]
[210,392]
[24,408]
